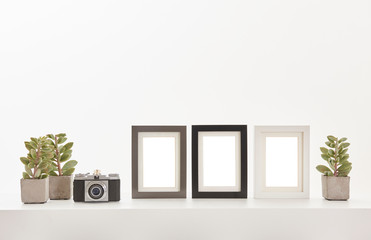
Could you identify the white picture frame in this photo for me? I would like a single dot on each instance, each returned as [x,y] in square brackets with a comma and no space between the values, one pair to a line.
[294,155]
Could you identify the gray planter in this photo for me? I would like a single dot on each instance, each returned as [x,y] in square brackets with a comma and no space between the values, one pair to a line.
[60,187]
[335,188]
[35,190]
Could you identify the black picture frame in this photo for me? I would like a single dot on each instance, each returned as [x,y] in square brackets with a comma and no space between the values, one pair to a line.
[195,161]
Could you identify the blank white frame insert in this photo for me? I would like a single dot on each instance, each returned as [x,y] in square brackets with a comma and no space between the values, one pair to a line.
[158,162]
[219,161]
[281,162]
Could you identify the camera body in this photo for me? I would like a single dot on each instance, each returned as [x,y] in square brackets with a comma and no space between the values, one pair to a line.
[96,188]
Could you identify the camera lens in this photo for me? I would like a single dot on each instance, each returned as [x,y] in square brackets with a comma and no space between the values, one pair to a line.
[96,191]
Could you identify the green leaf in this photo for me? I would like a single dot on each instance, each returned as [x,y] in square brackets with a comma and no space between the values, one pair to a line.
[37,173]
[344,158]
[65,157]
[24,160]
[51,143]
[69,152]
[53,173]
[344,166]
[331,145]
[33,153]
[331,138]
[327,173]
[68,146]
[52,168]
[344,172]
[69,164]
[28,145]
[49,155]
[61,140]
[45,150]
[31,165]
[323,169]
[33,145]
[324,150]
[68,172]
[30,157]
[346,163]
[343,151]
[43,164]
[325,157]
[44,176]
[50,136]
[340,148]
[25,175]
[61,135]
[28,170]
[60,148]
[331,152]
[343,140]
[345,145]
[345,169]
[34,140]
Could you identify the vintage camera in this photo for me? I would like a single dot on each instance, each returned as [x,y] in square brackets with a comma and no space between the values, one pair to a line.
[96,187]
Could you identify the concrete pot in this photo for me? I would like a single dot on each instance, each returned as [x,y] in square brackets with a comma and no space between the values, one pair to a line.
[35,190]
[60,187]
[335,188]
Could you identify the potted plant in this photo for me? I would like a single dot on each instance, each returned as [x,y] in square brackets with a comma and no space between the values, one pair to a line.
[60,180]
[335,181]
[35,184]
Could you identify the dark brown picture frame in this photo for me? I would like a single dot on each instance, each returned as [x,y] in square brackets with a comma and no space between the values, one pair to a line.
[183,161]
[195,174]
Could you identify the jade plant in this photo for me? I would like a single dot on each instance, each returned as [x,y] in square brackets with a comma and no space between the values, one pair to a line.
[39,158]
[61,154]
[336,156]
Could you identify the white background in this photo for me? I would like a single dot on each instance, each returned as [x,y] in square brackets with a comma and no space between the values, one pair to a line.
[94,68]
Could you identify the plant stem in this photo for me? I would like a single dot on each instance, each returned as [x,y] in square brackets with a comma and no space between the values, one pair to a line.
[57,153]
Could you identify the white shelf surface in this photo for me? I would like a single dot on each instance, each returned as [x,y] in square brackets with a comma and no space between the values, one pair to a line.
[13,202]
[185,219]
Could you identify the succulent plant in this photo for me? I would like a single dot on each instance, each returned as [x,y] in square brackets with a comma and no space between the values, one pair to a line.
[336,156]
[38,161]
[61,154]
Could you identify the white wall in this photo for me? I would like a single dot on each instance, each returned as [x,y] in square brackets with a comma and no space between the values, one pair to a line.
[94,68]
